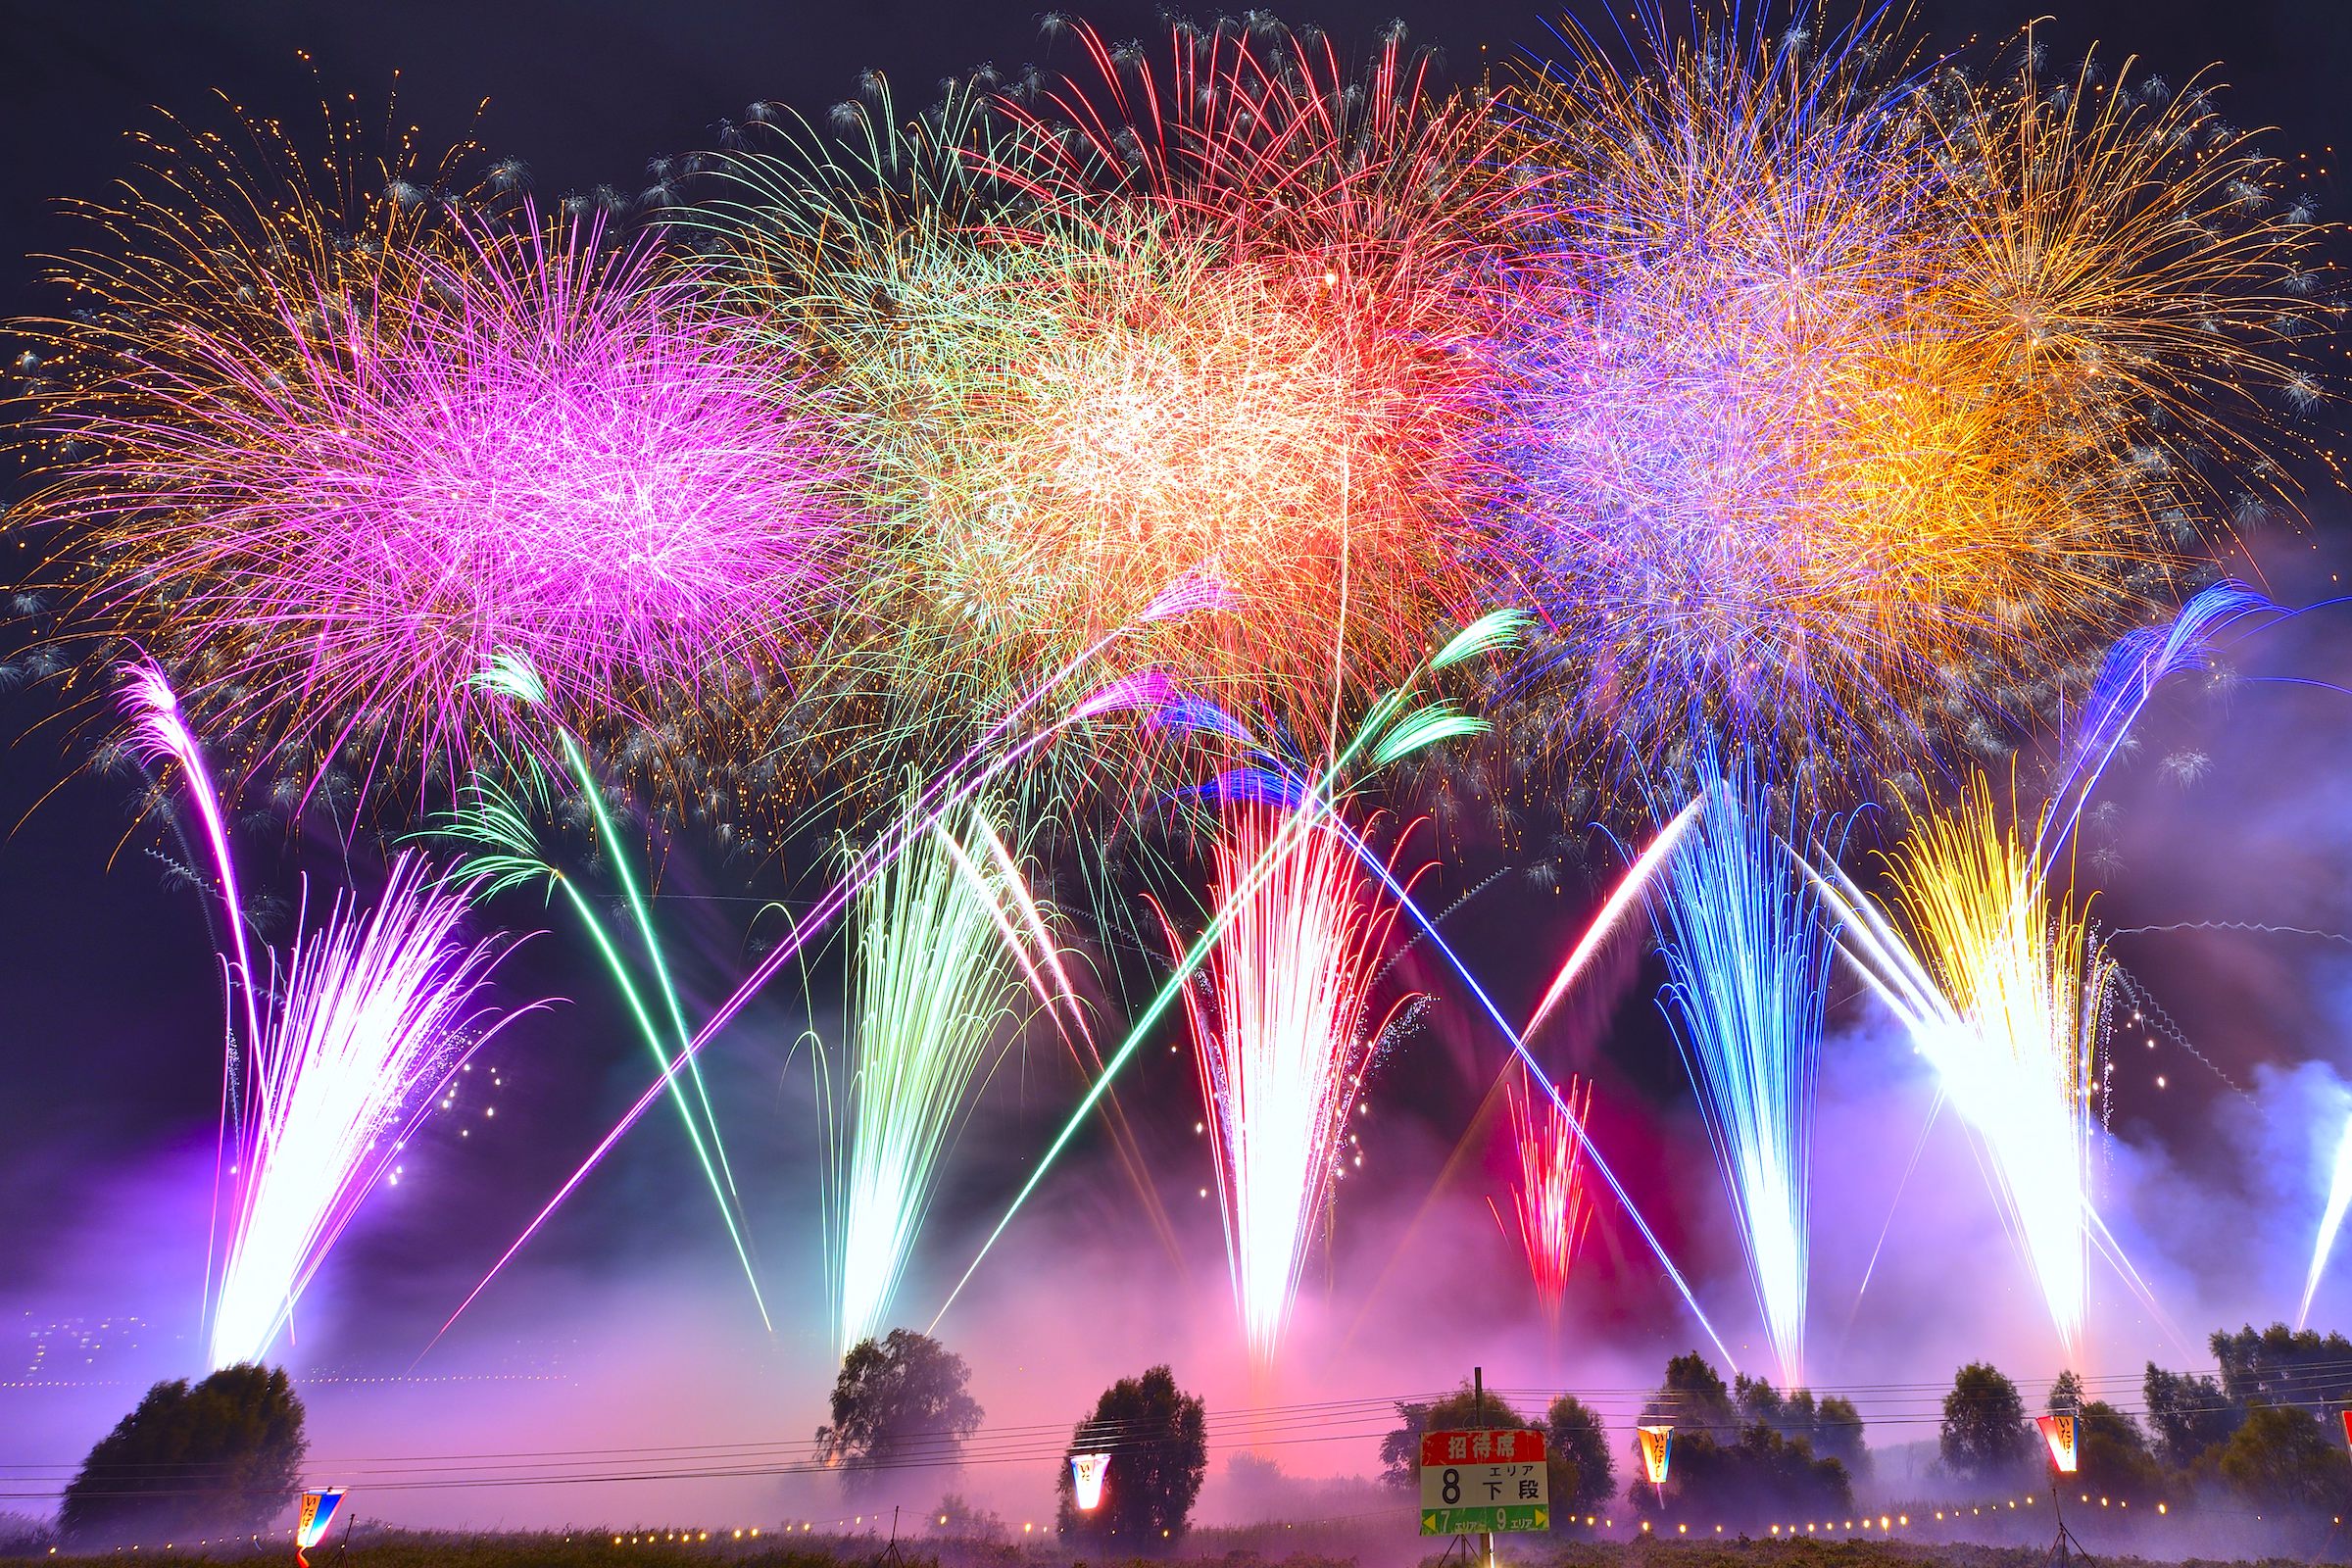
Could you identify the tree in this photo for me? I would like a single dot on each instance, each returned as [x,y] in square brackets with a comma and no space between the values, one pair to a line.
[1157,1437]
[1984,1437]
[1694,1398]
[2281,1457]
[1733,1464]
[1831,1428]
[1837,1435]
[898,1401]
[2190,1414]
[2281,1366]
[1582,1475]
[223,1455]
[2111,1453]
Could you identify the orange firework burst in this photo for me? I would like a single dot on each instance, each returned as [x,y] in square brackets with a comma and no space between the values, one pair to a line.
[2135,270]
[1833,425]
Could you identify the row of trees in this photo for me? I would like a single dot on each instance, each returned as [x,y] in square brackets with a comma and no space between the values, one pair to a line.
[1742,1450]
[904,1401]
[2253,1431]
[224,1456]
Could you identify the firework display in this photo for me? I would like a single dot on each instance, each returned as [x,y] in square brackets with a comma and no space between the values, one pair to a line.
[1197,455]
[1285,1033]
[941,950]
[358,473]
[1547,1193]
[377,1010]
[1852,418]
[1746,965]
[2001,986]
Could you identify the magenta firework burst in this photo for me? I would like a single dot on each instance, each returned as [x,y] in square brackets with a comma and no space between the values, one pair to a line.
[505,442]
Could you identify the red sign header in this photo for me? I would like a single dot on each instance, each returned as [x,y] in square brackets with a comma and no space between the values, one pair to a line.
[1482,1447]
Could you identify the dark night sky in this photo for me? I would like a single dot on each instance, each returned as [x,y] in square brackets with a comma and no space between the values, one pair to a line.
[108,1029]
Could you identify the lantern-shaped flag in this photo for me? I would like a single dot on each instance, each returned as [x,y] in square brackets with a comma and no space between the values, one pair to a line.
[1657,1448]
[2058,1431]
[1086,1479]
[309,1526]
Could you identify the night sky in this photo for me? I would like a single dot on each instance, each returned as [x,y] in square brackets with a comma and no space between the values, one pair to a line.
[109,1002]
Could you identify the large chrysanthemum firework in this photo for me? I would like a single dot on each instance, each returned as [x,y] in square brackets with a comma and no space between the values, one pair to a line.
[1827,424]
[329,488]
[1072,380]
[1339,234]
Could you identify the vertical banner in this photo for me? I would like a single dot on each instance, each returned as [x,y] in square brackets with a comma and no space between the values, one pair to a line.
[1086,1479]
[317,1513]
[2348,1413]
[2058,1431]
[1657,1451]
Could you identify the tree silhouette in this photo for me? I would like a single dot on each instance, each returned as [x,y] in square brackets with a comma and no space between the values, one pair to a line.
[1157,1437]
[1984,1436]
[899,1401]
[223,1455]
[2188,1414]
[2281,1457]
[1583,1473]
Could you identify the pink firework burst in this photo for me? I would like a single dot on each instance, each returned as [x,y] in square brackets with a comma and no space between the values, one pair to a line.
[1547,1187]
[520,446]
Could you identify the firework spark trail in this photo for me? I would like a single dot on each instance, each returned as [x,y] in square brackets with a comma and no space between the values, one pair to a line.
[2137,663]
[2332,1220]
[1612,913]
[1748,960]
[158,730]
[946,792]
[503,852]
[1629,887]
[373,1019]
[938,962]
[2002,994]
[1283,1040]
[1547,1194]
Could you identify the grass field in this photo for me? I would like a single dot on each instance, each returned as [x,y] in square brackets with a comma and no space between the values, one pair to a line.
[404,1550]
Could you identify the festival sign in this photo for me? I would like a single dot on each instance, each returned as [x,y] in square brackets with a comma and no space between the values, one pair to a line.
[309,1526]
[1087,1471]
[2058,1431]
[1483,1483]
[1657,1451]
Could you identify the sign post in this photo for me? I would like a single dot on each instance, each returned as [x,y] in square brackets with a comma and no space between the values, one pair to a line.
[309,1526]
[1484,1483]
[2059,1433]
